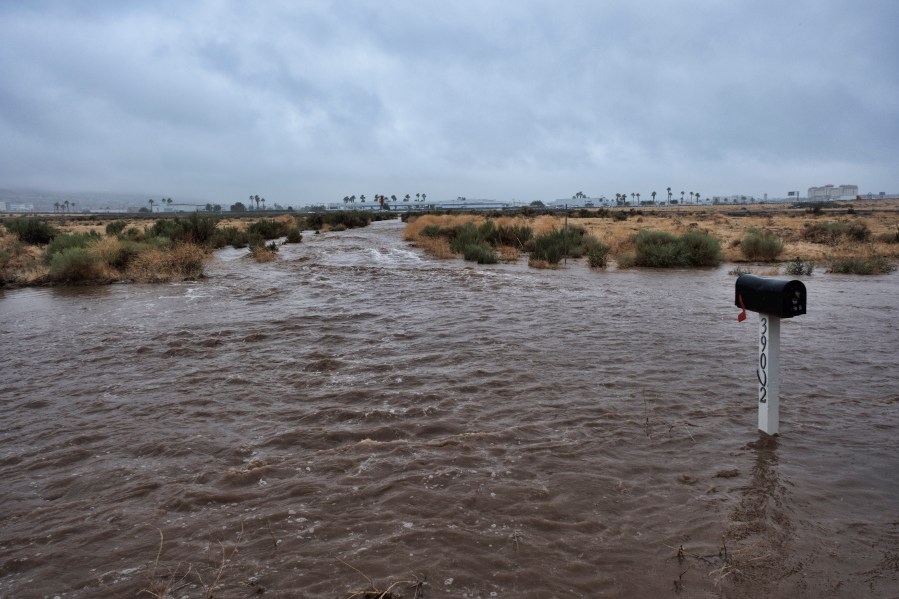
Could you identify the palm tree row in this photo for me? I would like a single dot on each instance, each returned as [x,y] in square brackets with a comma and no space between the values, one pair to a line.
[382,199]
[258,201]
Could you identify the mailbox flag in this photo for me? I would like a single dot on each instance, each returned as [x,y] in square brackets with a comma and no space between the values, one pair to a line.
[742,316]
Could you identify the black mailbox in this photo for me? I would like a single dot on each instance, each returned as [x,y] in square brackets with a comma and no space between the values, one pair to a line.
[784,299]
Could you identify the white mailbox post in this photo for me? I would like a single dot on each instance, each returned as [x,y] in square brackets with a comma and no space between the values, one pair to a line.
[773,299]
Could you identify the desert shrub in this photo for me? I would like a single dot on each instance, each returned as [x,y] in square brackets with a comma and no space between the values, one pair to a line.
[338,227]
[660,249]
[870,265]
[116,227]
[514,235]
[701,249]
[236,238]
[889,237]
[29,230]
[797,268]
[857,231]
[619,216]
[597,254]
[67,241]
[831,233]
[761,245]
[294,236]
[464,236]
[269,228]
[74,265]
[349,220]
[482,253]
[193,229]
[557,244]
[431,231]
[740,270]
[548,248]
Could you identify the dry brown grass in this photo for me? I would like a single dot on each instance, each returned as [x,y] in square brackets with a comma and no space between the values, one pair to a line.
[263,254]
[20,263]
[438,247]
[183,261]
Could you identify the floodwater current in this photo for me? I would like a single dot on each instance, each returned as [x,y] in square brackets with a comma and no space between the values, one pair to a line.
[357,413]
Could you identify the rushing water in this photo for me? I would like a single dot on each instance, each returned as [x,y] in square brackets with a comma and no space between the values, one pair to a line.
[359,410]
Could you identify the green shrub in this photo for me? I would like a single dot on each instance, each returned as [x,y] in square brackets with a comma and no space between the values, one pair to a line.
[432,231]
[597,254]
[232,236]
[294,236]
[619,216]
[797,268]
[761,245]
[116,227]
[464,236]
[193,229]
[67,241]
[29,230]
[514,235]
[659,249]
[871,265]
[557,244]
[482,253]
[269,228]
[74,265]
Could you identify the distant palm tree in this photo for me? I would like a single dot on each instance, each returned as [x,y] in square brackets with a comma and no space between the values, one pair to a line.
[681,198]
[56,206]
[633,197]
[653,198]
[393,197]
[424,197]
[638,197]
[263,203]
[151,202]
[406,199]
[362,198]
[697,197]
[352,199]
[669,196]
[418,197]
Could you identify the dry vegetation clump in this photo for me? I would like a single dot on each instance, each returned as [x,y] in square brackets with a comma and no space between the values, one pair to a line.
[263,253]
[183,261]
[20,263]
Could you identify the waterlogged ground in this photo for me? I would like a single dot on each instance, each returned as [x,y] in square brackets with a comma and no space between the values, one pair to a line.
[357,412]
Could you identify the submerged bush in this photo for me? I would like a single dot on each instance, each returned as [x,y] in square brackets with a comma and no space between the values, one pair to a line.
[598,255]
[269,228]
[761,245]
[232,236]
[29,230]
[294,236]
[482,253]
[660,249]
[194,229]
[797,268]
[75,265]
[870,265]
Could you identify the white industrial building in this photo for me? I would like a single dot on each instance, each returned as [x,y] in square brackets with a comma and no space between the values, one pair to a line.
[833,192]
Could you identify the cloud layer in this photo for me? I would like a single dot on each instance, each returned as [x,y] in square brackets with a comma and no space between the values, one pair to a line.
[308,102]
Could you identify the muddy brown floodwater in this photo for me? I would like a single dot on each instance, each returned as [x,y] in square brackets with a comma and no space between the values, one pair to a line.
[357,409]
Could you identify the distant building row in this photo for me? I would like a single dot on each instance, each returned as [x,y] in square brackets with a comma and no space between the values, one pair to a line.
[833,192]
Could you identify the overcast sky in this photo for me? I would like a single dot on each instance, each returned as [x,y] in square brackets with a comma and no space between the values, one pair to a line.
[306,102]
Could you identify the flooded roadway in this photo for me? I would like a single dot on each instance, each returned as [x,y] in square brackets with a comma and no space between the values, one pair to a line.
[357,410]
